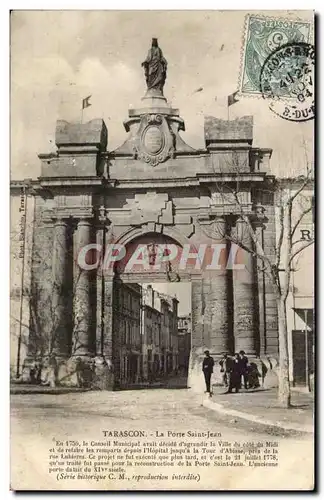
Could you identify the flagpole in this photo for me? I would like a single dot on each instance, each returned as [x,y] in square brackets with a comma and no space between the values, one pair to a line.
[85,104]
[231,99]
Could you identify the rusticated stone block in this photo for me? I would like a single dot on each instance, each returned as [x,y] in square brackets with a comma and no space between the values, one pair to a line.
[268,366]
[229,143]
[78,150]
[104,376]
[220,301]
[196,380]
[92,133]
[198,311]
[219,131]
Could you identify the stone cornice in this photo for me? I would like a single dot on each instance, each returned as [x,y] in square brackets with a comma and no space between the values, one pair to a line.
[29,184]
[234,177]
[57,182]
[74,213]
[199,179]
[70,150]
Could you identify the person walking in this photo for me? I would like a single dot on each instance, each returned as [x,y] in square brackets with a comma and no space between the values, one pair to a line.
[207,368]
[234,375]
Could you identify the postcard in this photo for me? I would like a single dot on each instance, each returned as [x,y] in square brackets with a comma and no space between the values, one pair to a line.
[162,250]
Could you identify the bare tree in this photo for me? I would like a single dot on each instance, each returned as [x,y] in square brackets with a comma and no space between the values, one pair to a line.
[48,301]
[292,205]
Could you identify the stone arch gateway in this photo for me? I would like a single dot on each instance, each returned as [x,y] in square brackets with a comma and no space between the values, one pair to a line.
[155,186]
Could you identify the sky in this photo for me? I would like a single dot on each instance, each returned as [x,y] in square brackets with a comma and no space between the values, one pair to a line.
[182,291]
[60,57]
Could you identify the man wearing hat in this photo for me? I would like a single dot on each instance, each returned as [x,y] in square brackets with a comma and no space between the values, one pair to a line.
[243,364]
[207,368]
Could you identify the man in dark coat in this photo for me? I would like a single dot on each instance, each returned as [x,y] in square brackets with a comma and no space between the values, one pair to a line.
[207,368]
[243,361]
[235,375]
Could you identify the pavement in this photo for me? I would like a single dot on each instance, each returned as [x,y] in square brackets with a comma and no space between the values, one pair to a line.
[38,419]
[261,406]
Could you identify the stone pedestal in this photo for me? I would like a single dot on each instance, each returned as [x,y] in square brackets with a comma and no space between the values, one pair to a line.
[196,380]
[104,377]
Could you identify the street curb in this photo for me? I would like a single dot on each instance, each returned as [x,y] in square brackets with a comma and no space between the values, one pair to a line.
[257,420]
[53,390]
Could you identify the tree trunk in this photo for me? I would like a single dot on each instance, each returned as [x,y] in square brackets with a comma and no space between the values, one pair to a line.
[284,395]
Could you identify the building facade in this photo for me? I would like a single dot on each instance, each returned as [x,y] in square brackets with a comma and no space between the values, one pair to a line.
[184,342]
[127,321]
[160,313]
[146,322]
[153,189]
[300,301]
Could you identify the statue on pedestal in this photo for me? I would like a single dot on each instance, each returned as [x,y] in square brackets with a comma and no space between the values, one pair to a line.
[155,66]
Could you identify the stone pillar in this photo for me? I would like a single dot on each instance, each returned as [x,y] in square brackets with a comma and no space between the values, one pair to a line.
[198,307]
[62,287]
[138,373]
[100,240]
[82,343]
[261,298]
[245,289]
[110,343]
[220,298]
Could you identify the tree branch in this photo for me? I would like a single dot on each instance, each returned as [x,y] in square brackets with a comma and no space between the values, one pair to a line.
[281,235]
[303,185]
[300,218]
[309,243]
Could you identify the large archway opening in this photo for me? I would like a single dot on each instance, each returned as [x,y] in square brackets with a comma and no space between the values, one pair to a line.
[151,313]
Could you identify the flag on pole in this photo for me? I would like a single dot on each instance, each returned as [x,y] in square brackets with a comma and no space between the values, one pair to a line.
[85,102]
[232,99]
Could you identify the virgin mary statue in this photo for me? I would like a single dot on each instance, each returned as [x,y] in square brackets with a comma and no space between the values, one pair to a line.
[155,66]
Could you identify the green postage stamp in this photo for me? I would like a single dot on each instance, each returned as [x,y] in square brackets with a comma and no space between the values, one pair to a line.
[263,35]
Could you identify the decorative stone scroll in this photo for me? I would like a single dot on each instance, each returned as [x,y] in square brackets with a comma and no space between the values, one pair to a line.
[154,142]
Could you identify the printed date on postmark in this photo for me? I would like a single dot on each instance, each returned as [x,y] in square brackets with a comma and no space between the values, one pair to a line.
[287,79]
[264,35]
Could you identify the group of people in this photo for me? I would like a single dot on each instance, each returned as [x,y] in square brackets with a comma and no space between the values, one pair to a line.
[236,371]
